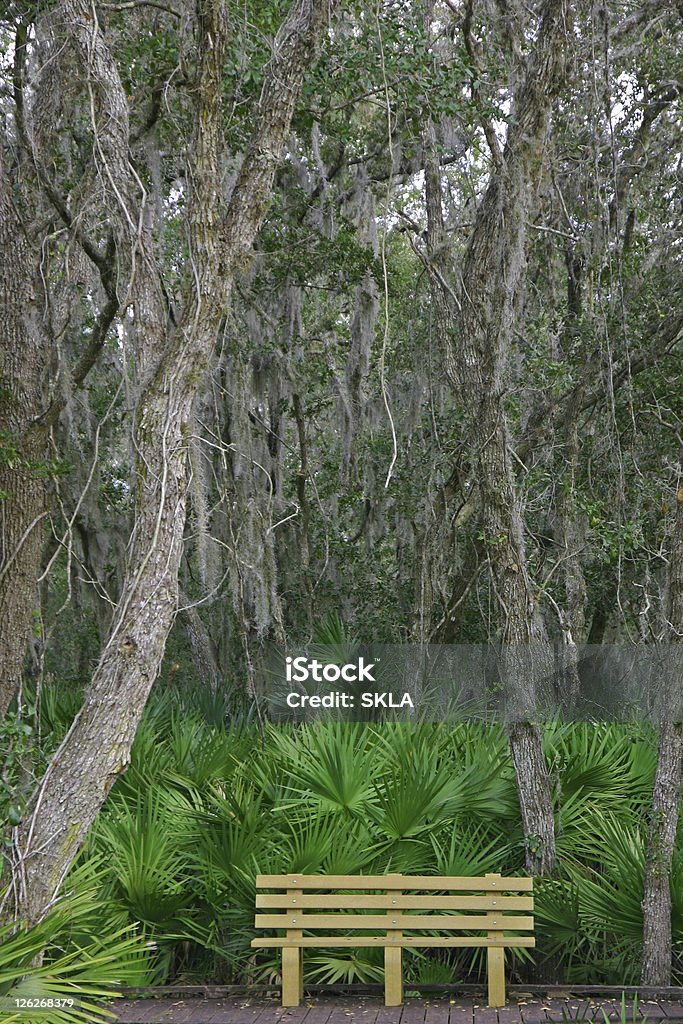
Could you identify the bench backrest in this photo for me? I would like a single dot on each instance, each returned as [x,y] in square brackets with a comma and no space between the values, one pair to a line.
[404,903]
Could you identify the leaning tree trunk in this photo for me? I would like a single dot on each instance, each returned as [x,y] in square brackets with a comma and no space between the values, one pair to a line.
[22,448]
[96,750]
[666,793]
[477,314]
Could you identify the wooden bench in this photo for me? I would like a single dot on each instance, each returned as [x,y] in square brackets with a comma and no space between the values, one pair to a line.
[408,911]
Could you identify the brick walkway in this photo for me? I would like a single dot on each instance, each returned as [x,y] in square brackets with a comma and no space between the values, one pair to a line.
[340,1010]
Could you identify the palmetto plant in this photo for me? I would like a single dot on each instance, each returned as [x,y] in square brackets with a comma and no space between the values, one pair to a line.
[204,809]
[87,952]
[606,764]
[332,764]
[359,967]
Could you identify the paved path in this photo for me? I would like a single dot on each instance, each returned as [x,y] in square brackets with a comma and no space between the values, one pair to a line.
[340,1010]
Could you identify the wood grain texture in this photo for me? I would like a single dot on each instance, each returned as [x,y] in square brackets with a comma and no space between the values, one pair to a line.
[410,922]
[370,901]
[356,941]
[395,881]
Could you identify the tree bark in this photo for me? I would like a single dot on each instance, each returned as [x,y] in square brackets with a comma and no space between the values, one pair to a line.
[201,646]
[526,747]
[170,365]
[23,449]
[666,793]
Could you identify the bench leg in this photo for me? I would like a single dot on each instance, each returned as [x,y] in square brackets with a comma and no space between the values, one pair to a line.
[393,975]
[496,973]
[301,974]
[292,976]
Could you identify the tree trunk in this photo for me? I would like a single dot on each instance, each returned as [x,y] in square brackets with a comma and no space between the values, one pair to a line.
[201,646]
[96,750]
[666,793]
[526,746]
[477,316]
[23,360]
[666,801]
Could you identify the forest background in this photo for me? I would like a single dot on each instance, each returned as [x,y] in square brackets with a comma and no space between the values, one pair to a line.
[335,322]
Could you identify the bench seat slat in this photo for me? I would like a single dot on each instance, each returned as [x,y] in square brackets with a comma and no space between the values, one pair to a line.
[406,922]
[325,941]
[334,901]
[428,882]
